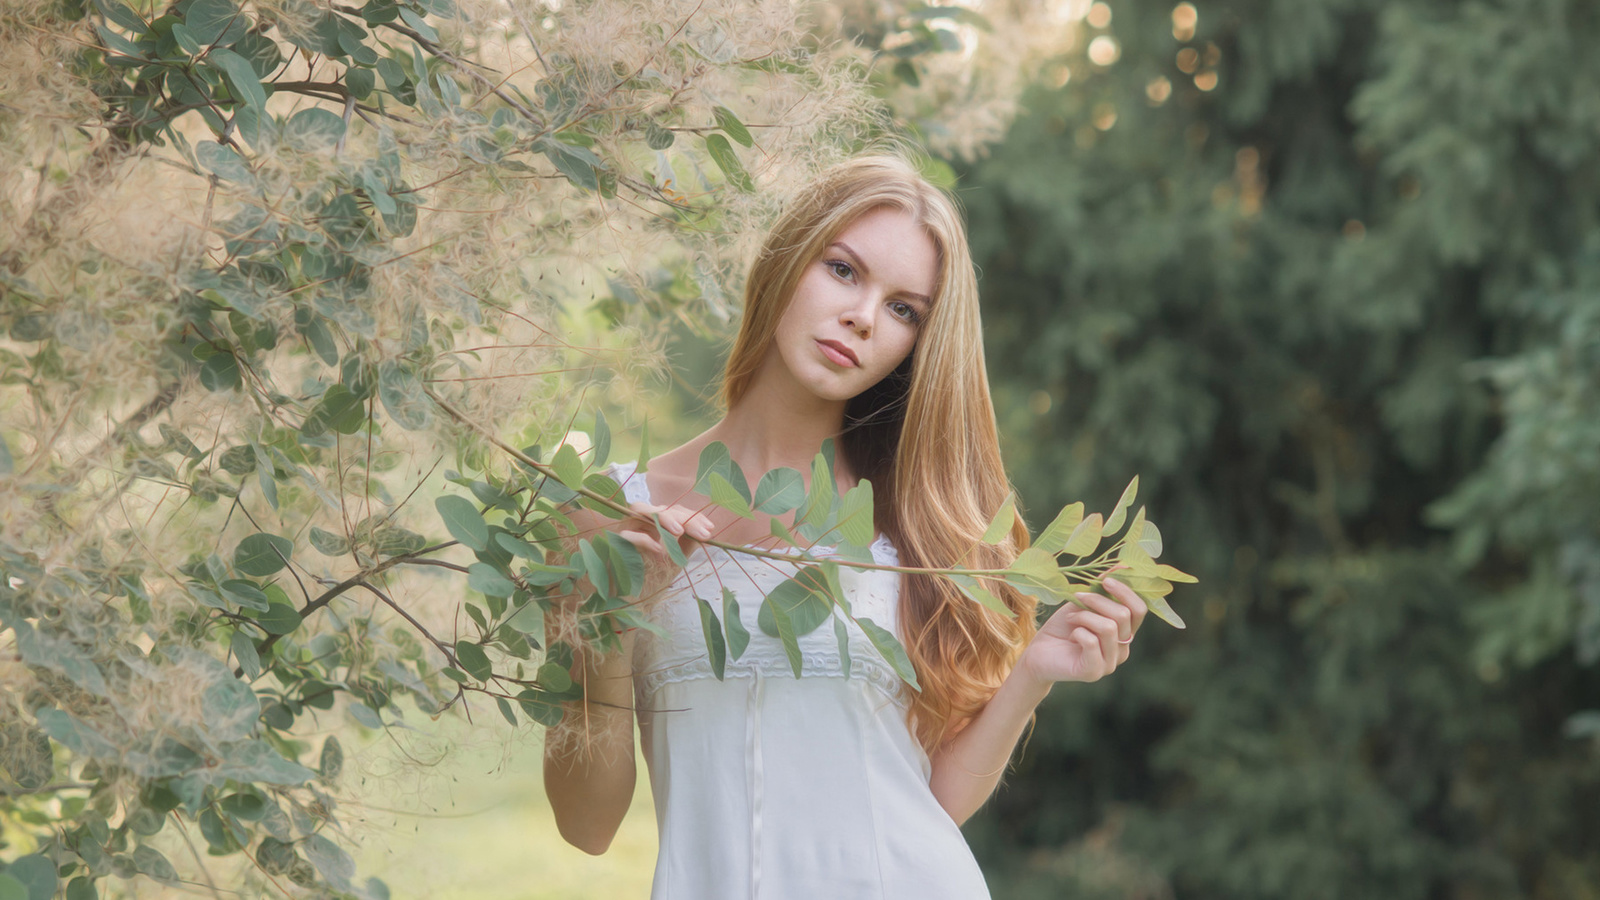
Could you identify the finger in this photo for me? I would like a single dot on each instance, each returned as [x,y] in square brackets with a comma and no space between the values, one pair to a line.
[699,526]
[1093,664]
[1112,609]
[1129,598]
[1105,629]
[648,544]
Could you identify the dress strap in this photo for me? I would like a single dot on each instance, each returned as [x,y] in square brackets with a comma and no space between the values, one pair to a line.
[635,488]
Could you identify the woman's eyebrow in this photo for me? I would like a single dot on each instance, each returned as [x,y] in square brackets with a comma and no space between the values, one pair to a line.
[855,258]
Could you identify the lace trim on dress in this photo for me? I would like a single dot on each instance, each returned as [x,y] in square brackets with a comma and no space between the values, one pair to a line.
[813,664]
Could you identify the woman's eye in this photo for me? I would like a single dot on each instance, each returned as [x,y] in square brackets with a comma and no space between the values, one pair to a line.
[841,269]
[904,311]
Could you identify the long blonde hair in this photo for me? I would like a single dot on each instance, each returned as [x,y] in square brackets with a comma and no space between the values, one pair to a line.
[925,436]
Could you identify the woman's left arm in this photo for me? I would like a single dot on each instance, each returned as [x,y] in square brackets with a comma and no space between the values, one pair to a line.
[1074,644]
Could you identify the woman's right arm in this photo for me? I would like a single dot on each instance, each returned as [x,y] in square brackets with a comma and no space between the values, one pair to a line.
[589,775]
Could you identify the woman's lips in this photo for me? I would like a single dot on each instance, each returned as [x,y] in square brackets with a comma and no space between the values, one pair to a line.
[838,353]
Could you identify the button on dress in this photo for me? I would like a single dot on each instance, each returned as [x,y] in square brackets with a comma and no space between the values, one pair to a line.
[772,787]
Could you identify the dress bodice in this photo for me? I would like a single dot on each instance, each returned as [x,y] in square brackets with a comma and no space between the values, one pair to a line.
[772,787]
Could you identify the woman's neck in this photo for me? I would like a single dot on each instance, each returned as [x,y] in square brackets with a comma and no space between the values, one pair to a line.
[768,429]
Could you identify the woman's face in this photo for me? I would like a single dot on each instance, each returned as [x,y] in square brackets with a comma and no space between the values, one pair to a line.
[857,310]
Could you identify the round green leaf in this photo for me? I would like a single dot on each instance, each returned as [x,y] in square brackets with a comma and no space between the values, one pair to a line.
[474,660]
[220,372]
[310,130]
[37,875]
[11,888]
[262,554]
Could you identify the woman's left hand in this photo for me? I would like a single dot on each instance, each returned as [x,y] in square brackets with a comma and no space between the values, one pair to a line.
[1078,644]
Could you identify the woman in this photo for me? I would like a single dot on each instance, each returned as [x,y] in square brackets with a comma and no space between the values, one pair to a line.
[861,324]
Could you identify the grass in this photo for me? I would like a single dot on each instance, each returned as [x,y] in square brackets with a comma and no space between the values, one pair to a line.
[474,823]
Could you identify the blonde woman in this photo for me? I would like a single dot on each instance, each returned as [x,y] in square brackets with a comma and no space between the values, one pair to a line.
[861,325]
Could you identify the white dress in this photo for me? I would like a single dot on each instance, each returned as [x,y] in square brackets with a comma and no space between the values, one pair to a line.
[769,787]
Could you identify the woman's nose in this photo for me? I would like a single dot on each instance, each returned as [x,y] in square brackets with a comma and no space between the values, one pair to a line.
[858,321]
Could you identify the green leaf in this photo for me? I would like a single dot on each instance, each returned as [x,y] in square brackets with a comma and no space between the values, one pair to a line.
[36,873]
[6,465]
[313,129]
[1053,539]
[821,494]
[280,618]
[150,861]
[1120,511]
[245,593]
[327,543]
[261,52]
[403,397]
[728,162]
[81,888]
[801,603]
[224,163]
[711,630]
[893,653]
[463,521]
[487,580]
[627,564]
[722,154]
[335,865]
[339,410]
[474,660]
[731,125]
[220,372]
[230,707]
[1150,540]
[658,136]
[417,24]
[1085,537]
[738,636]
[331,763]
[12,889]
[726,496]
[1003,520]
[1034,573]
[529,620]
[578,167]
[118,44]
[602,440]
[643,465]
[360,83]
[568,467]
[779,491]
[242,79]
[262,554]
[841,635]
[554,677]
[215,21]
[541,707]
[855,514]
[975,590]
[506,710]
[1159,608]
[674,549]
[244,650]
[257,761]
[61,654]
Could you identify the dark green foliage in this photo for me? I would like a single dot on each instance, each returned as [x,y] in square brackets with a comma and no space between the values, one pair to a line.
[1342,314]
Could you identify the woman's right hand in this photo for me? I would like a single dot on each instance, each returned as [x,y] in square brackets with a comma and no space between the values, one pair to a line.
[684,524]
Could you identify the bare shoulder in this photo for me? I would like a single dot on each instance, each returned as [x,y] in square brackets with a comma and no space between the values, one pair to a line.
[672,473]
